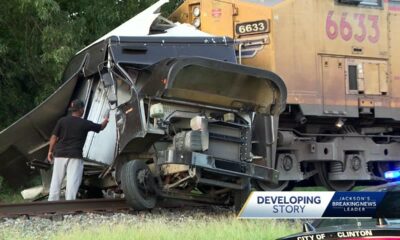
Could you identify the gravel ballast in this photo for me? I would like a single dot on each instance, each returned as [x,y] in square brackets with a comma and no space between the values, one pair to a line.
[45,227]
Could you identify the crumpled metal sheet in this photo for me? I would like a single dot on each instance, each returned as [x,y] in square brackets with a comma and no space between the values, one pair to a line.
[27,138]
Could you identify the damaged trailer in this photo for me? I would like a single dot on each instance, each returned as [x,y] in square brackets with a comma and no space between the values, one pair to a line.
[182,119]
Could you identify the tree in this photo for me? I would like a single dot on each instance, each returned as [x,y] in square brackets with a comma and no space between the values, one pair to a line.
[38,38]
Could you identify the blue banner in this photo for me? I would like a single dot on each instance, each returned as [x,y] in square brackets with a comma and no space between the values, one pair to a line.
[321,205]
[354,204]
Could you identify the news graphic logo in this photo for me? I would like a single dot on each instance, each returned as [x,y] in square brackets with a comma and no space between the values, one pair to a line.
[354,204]
[311,204]
[286,204]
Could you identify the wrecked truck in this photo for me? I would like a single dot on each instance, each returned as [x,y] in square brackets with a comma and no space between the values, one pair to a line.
[183,118]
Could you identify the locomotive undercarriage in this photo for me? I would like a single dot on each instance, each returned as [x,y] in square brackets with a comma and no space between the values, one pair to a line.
[337,157]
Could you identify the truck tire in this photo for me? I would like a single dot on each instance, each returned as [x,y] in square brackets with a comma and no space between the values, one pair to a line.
[240,196]
[138,185]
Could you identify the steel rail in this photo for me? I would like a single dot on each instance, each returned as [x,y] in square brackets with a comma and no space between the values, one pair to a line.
[78,206]
[57,207]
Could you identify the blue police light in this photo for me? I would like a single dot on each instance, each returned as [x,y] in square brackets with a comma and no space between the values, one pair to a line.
[392,174]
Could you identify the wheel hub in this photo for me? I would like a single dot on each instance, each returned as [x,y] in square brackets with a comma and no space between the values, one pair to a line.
[356,163]
[287,163]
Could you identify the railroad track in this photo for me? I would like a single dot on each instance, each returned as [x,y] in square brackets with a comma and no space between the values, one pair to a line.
[79,206]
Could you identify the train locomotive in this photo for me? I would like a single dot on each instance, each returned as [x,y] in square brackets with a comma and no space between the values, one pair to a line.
[340,62]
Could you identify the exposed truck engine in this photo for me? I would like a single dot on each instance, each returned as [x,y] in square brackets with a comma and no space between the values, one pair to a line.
[340,61]
[183,115]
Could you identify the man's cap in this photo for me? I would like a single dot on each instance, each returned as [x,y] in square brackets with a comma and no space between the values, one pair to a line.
[76,105]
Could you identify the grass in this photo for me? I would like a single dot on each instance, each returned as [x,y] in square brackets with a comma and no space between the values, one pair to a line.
[13,195]
[309,189]
[219,228]
[9,195]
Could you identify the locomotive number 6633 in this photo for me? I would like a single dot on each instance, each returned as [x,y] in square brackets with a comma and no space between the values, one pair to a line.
[252,27]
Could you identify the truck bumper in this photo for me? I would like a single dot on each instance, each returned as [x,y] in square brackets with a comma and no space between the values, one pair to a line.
[221,166]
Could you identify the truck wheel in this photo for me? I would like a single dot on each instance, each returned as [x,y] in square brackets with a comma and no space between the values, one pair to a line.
[240,196]
[138,185]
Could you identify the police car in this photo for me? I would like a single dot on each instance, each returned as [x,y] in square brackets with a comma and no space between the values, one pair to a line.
[358,228]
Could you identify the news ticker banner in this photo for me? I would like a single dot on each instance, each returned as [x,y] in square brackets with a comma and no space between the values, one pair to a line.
[321,205]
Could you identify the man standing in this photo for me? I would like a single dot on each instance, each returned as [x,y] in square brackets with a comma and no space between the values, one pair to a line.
[66,144]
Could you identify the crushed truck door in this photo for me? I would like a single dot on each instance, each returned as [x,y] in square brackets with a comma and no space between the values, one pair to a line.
[101,147]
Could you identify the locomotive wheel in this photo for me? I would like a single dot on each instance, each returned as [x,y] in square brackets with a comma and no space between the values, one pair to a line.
[138,185]
[321,179]
[280,186]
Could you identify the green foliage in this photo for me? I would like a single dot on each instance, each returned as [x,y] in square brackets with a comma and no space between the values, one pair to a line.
[171,6]
[160,227]
[9,195]
[198,229]
[38,38]
[13,194]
